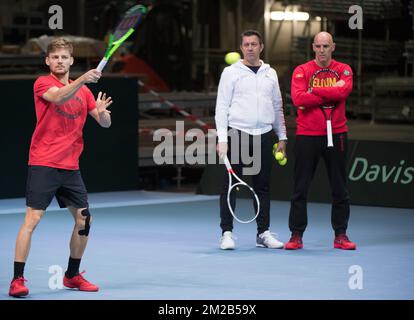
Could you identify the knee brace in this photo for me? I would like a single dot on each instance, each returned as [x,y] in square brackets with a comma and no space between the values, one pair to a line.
[85,232]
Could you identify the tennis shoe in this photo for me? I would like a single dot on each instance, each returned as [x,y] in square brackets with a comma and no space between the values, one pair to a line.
[342,242]
[79,282]
[17,288]
[268,239]
[227,241]
[294,243]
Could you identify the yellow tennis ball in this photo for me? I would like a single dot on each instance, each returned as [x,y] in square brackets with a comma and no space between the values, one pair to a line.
[279,156]
[232,57]
[274,147]
[283,161]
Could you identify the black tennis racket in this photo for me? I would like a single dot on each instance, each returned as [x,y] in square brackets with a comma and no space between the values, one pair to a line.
[326,78]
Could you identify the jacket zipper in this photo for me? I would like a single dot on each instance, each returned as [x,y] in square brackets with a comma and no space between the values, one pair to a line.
[257,100]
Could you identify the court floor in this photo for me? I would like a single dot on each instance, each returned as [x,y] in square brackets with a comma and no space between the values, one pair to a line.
[164,246]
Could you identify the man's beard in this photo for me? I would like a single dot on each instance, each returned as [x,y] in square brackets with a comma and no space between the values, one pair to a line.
[60,71]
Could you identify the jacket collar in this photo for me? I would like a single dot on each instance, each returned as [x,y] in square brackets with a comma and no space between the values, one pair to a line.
[241,65]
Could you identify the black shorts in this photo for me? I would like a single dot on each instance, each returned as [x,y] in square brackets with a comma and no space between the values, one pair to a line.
[45,182]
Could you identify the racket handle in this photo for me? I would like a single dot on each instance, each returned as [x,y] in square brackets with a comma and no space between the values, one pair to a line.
[329,133]
[227,163]
[102,64]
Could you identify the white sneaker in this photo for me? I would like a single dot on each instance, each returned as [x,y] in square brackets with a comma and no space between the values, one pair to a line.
[227,241]
[268,240]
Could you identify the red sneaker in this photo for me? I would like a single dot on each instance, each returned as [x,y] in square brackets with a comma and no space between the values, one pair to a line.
[17,288]
[79,282]
[342,242]
[294,243]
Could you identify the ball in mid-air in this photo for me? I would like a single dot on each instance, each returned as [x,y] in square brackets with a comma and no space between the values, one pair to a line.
[232,57]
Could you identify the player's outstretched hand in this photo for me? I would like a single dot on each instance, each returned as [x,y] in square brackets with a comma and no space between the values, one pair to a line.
[102,103]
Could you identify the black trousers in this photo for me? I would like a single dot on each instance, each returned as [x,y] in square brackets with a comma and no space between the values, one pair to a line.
[260,181]
[308,151]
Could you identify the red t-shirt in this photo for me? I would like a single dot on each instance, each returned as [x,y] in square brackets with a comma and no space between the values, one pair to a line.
[57,140]
[310,119]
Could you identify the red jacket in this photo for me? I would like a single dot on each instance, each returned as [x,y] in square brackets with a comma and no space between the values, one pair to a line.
[310,119]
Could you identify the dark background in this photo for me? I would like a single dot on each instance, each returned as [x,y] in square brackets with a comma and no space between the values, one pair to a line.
[109,160]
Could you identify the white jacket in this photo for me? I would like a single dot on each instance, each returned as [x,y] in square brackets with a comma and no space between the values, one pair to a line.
[248,101]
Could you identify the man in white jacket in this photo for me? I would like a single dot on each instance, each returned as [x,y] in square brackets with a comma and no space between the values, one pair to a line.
[249,103]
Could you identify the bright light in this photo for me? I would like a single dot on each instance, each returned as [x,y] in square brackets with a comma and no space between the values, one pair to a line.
[289,16]
[318,18]
[277,15]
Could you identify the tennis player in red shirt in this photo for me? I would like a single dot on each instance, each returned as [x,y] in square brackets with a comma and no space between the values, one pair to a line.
[311,140]
[62,106]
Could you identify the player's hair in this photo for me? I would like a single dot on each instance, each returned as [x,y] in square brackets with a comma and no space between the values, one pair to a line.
[249,33]
[59,43]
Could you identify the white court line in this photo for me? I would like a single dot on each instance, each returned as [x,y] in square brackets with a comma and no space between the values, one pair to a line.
[113,199]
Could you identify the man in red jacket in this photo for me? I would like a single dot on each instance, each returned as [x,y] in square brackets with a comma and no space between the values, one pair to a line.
[311,141]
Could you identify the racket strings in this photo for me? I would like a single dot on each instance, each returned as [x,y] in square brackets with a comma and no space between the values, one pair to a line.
[128,23]
[247,202]
[130,20]
[325,78]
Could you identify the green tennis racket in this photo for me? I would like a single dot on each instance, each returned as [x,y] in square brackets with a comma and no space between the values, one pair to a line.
[123,31]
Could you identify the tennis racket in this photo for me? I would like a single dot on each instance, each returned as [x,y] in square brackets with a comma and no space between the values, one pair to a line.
[326,78]
[123,31]
[239,187]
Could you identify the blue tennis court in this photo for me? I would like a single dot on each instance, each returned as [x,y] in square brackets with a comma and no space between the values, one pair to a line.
[156,246]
